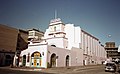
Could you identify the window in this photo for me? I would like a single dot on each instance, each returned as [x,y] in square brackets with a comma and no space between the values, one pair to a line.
[31,33]
[57,27]
[28,58]
[54,28]
[37,34]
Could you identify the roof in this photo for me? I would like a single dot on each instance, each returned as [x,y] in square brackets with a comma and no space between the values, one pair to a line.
[89,34]
[35,30]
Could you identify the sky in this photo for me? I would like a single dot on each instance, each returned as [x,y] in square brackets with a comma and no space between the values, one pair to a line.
[100,18]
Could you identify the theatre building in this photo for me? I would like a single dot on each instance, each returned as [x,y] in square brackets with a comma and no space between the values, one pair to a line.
[61,46]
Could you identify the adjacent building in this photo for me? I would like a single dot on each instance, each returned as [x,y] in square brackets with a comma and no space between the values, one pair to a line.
[8,40]
[112,50]
[22,41]
[93,50]
[12,41]
[63,45]
[35,34]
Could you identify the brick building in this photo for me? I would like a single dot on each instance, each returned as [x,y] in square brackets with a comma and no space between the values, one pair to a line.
[8,40]
[12,41]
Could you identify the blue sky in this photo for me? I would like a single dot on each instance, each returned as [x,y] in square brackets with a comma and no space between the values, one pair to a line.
[98,17]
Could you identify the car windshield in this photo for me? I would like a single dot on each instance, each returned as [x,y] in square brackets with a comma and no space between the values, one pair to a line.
[109,64]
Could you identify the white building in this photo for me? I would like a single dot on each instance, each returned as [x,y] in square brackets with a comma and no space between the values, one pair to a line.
[93,50]
[63,45]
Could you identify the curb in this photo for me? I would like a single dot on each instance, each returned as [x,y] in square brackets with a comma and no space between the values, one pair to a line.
[26,69]
[77,68]
[85,68]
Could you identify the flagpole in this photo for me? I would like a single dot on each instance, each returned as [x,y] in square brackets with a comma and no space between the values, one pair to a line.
[55,14]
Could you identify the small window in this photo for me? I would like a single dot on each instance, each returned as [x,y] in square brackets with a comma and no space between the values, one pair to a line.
[54,28]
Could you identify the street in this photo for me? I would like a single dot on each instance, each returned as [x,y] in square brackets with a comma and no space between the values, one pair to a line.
[69,70]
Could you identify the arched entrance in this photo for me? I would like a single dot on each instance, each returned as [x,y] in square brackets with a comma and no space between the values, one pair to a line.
[36,59]
[67,60]
[24,60]
[8,60]
[53,60]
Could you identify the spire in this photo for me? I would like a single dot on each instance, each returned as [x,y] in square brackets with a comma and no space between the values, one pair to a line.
[56,19]
[55,14]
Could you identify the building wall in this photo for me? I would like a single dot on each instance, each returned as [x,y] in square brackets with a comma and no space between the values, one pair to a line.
[58,42]
[8,38]
[112,50]
[61,55]
[22,42]
[73,34]
[8,44]
[75,55]
[93,51]
[42,49]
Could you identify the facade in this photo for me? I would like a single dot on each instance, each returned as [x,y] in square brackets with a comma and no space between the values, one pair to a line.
[12,42]
[112,50]
[94,52]
[22,44]
[8,40]
[63,45]
[22,41]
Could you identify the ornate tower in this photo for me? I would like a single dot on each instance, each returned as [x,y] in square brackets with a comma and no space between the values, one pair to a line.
[55,34]
[56,28]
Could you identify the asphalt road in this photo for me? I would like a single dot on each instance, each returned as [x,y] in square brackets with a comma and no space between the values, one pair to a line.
[69,70]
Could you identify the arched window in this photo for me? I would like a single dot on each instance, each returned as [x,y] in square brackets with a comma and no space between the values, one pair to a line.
[24,60]
[53,60]
[67,60]
[36,54]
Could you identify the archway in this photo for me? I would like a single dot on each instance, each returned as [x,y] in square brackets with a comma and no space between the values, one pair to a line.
[53,60]
[8,60]
[36,59]
[24,60]
[67,60]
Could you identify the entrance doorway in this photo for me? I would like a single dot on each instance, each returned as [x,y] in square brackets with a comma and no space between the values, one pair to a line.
[24,60]
[53,60]
[67,60]
[36,59]
[8,60]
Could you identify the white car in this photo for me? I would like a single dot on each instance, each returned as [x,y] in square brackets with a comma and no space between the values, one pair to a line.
[110,67]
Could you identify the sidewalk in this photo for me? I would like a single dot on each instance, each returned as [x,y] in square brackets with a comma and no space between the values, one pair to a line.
[69,69]
[53,70]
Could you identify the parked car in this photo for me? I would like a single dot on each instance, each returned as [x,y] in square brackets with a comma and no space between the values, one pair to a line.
[110,67]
